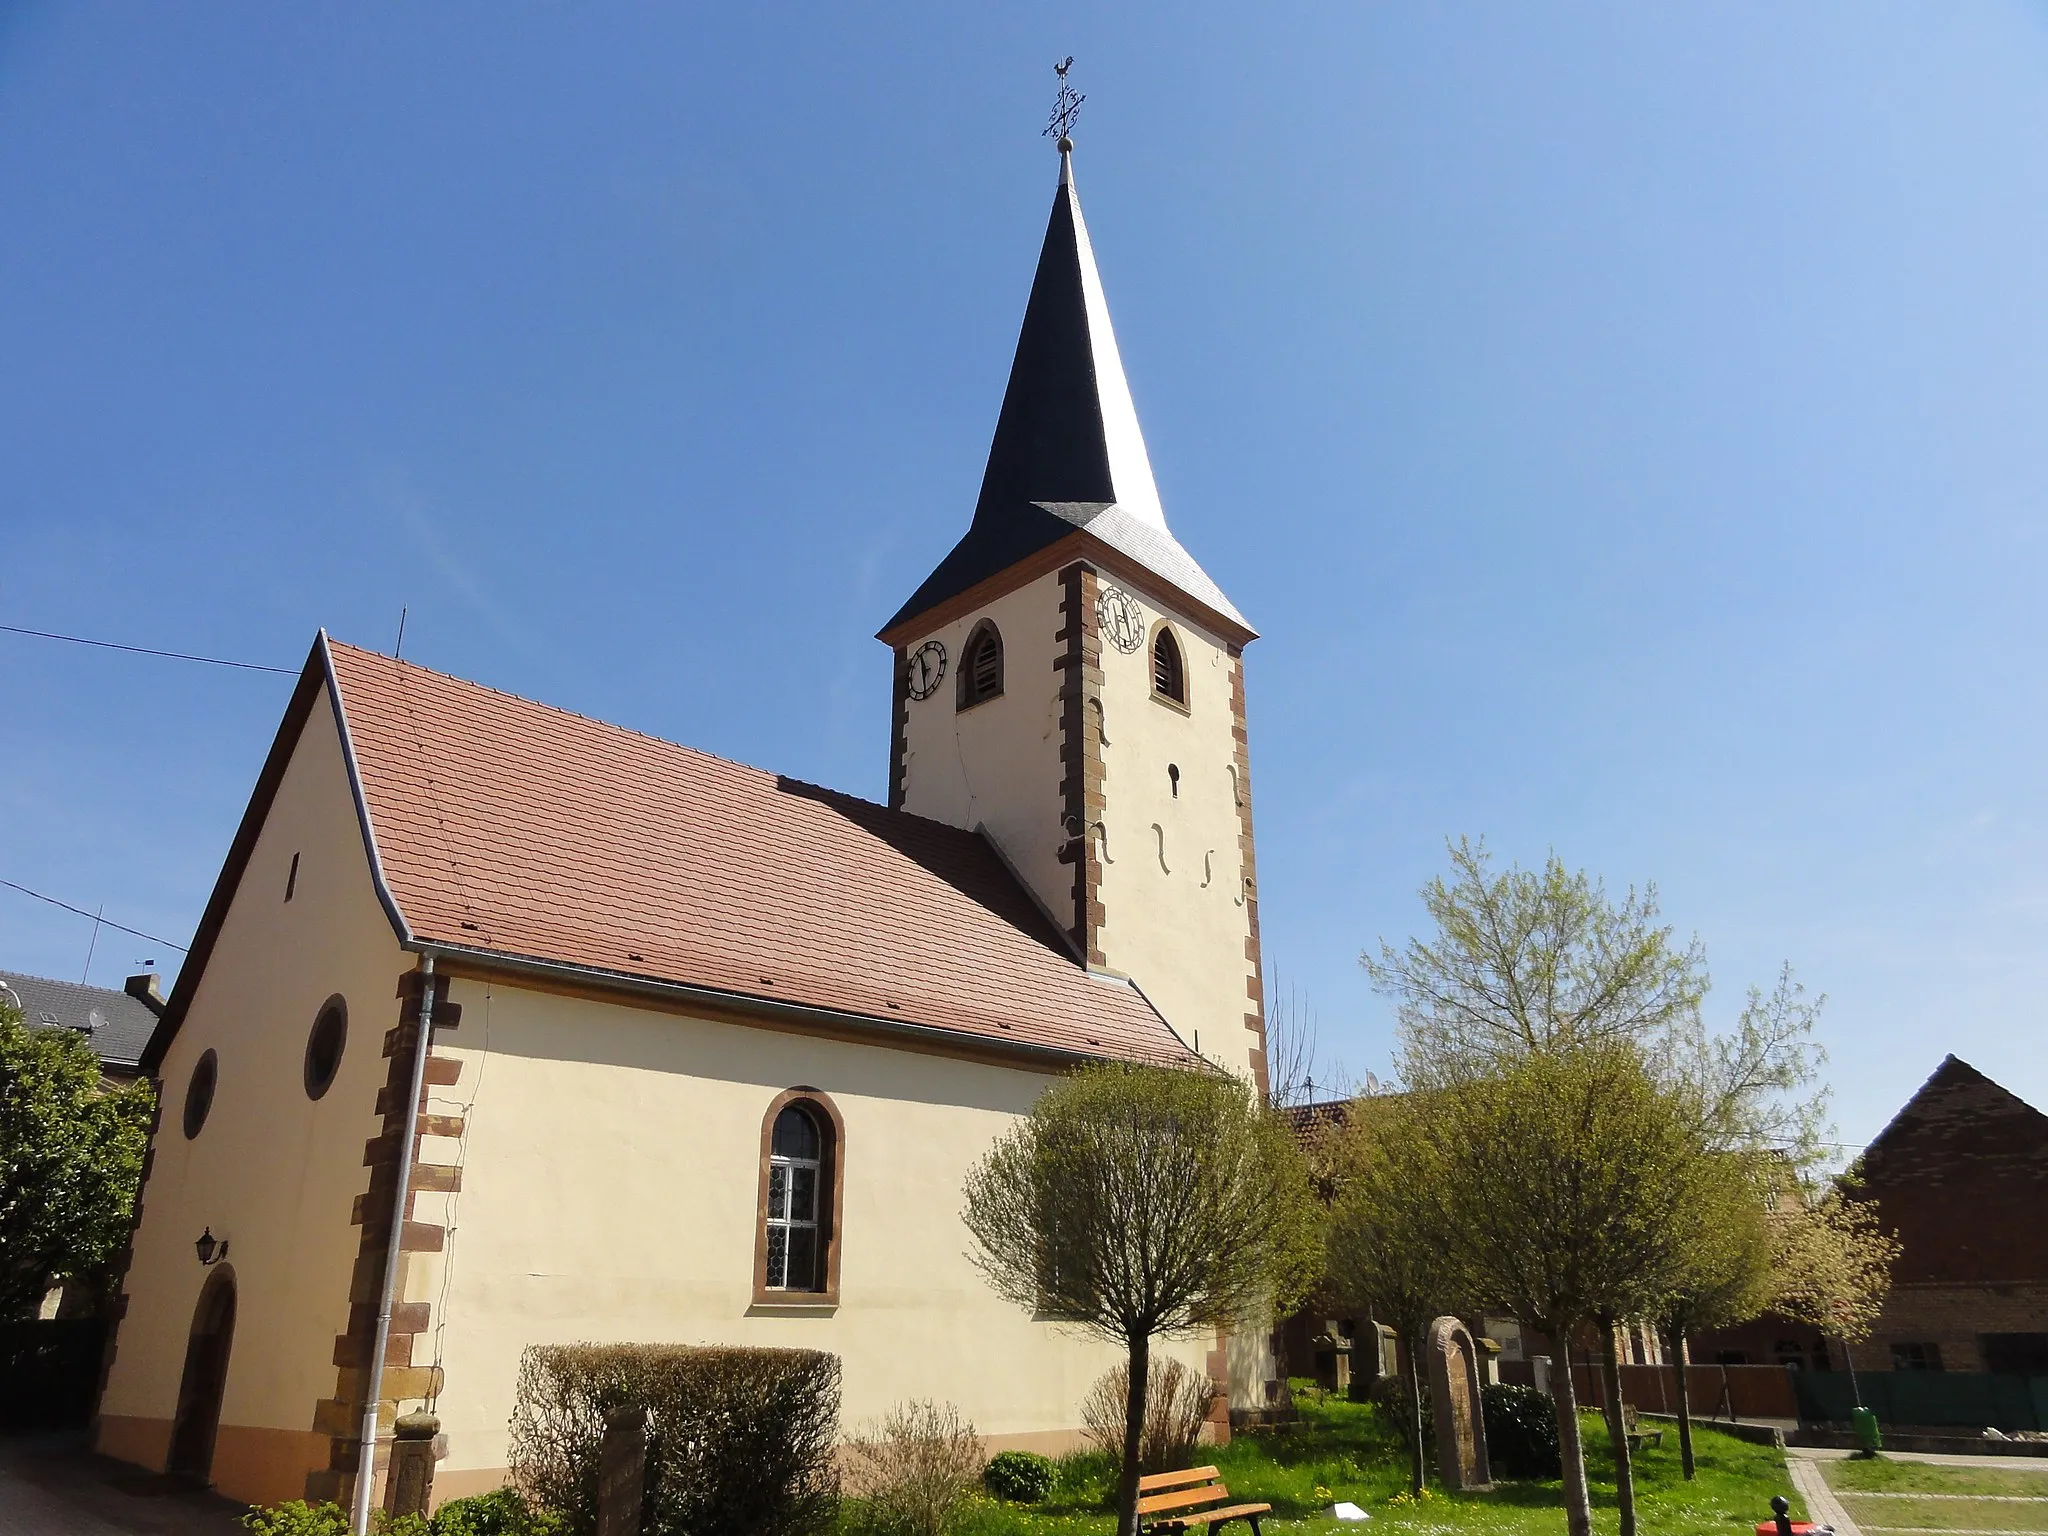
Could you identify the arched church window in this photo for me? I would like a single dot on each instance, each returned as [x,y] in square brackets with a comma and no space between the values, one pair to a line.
[798,1256]
[1169,675]
[981,666]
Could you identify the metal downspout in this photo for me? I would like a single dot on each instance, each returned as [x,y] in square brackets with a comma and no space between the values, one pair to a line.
[366,1453]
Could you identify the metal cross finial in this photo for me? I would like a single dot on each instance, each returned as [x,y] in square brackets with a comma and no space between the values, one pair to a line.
[1065,108]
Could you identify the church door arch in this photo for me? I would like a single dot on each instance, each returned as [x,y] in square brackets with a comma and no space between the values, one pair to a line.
[205,1378]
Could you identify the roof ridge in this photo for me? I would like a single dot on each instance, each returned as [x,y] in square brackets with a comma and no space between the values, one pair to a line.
[627,730]
[58,981]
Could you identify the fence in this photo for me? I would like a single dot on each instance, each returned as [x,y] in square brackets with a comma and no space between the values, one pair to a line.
[1931,1398]
[1715,1391]
[49,1373]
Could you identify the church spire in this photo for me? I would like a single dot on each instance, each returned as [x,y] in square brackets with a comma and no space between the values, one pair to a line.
[1068,452]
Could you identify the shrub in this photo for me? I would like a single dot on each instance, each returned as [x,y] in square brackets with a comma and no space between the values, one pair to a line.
[1390,1396]
[1521,1432]
[501,1513]
[915,1470]
[298,1518]
[1177,1405]
[1022,1477]
[739,1441]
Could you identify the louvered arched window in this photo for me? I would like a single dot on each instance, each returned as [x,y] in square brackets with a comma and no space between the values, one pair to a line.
[1169,675]
[981,665]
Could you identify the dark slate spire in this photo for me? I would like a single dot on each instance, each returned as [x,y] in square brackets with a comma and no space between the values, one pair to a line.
[1068,452]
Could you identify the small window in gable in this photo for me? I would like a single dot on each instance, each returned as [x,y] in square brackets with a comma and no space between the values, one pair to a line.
[981,666]
[1169,675]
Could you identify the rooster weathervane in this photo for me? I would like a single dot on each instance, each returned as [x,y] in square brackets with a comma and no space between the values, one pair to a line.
[1065,108]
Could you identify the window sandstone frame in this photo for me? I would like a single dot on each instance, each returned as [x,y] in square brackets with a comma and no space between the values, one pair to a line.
[325,1042]
[788,1227]
[981,666]
[1169,668]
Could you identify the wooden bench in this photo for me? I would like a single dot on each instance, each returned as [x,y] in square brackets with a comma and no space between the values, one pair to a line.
[1632,1428]
[1172,1501]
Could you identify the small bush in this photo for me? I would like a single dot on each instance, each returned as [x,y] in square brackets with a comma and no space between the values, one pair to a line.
[1177,1405]
[1022,1477]
[1390,1396]
[739,1441]
[502,1513]
[1521,1433]
[916,1470]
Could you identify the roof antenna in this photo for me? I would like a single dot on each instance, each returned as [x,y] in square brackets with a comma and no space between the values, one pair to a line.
[1065,108]
[401,634]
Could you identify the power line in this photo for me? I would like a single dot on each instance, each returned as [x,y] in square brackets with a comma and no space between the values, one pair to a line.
[104,922]
[143,650]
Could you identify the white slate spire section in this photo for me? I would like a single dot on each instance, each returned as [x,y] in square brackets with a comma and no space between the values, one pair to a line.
[1130,467]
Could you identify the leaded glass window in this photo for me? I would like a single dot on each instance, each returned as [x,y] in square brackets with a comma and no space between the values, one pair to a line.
[795,1172]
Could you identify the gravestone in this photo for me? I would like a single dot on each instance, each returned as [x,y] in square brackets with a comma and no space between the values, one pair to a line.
[1454,1390]
[622,1473]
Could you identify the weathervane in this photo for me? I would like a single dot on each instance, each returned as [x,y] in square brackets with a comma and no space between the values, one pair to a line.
[1065,108]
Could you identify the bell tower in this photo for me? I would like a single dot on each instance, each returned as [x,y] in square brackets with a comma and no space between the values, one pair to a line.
[1070,683]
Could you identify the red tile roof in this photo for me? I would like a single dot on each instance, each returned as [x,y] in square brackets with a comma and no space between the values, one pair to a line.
[506,826]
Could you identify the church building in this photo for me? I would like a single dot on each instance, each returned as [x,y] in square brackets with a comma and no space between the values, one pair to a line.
[709,1051]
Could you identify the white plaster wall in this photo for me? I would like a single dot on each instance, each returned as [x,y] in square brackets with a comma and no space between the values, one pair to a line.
[610,1174]
[999,762]
[1174,918]
[272,1171]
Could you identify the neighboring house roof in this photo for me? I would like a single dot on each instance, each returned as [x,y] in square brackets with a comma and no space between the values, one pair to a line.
[118,1024]
[520,833]
[1961,1174]
[1068,453]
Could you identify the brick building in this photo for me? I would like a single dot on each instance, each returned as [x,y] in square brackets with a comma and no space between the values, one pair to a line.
[1961,1176]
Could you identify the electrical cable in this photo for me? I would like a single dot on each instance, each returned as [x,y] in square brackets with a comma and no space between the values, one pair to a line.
[143,650]
[105,922]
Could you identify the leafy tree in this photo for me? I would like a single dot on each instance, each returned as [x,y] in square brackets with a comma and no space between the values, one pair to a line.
[1137,1201]
[1729,1274]
[1383,1256]
[1551,1191]
[70,1160]
[1533,964]
[1833,1261]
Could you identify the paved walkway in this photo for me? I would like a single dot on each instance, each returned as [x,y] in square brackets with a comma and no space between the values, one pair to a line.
[1932,1458]
[56,1487]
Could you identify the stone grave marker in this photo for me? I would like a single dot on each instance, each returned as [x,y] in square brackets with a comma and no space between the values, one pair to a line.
[1460,1425]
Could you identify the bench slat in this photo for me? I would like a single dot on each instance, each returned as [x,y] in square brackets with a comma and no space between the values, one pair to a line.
[1211,1516]
[1158,1480]
[1152,1504]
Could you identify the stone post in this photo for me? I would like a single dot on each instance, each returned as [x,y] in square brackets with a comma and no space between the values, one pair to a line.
[409,1489]
[622,1473]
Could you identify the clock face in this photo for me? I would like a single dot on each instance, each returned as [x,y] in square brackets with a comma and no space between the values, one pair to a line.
[1121,619]
[925,668]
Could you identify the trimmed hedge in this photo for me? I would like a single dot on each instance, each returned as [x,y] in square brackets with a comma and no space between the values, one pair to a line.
[739,1441]
[1521,1433]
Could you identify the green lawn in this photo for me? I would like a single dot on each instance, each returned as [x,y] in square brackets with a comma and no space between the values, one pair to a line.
[1886,1476]
[1343,1450]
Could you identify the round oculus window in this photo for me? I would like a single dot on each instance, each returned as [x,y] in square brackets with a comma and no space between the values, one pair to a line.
[199,1092]
[324,1046]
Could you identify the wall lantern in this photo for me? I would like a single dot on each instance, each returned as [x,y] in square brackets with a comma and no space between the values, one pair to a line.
[211,1250]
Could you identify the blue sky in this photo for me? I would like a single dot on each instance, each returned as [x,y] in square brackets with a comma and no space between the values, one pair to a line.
[1624,423]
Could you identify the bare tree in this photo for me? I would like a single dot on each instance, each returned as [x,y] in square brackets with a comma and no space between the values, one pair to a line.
[1139,1201]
